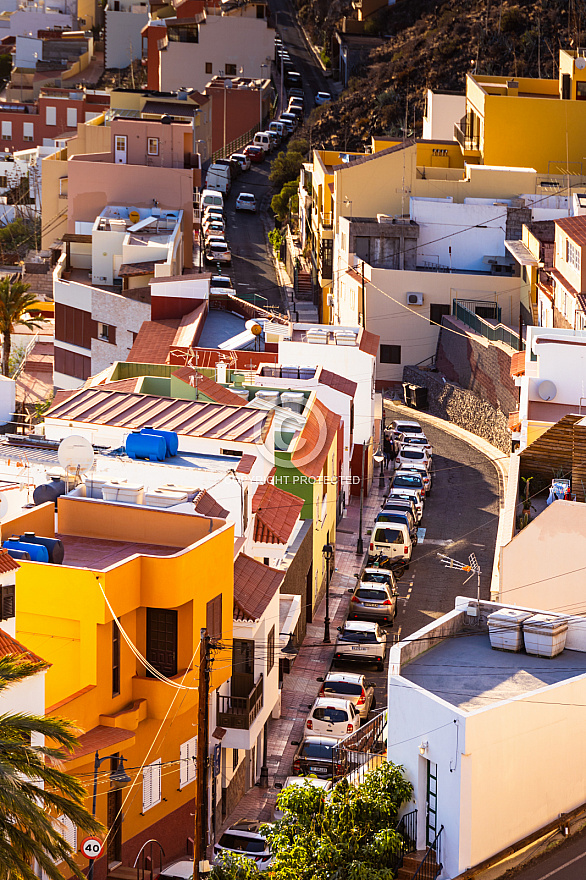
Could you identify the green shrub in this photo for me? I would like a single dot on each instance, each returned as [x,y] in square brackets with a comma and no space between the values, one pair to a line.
[276,239]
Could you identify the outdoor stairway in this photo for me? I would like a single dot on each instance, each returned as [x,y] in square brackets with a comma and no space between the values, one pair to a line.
[125,872]
[411,863]
[304,287]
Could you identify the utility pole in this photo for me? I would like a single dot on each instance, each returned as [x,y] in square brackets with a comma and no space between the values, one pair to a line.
[362,317]
[360,543]
[200,839]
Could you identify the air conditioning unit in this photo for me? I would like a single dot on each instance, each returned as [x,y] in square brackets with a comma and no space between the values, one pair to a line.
[414,299]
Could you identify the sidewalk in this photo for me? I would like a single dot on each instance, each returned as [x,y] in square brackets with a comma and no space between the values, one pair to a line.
[300,687]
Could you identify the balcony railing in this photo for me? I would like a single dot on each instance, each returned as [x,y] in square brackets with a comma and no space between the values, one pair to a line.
[326,220]
[466,140]
[238,712]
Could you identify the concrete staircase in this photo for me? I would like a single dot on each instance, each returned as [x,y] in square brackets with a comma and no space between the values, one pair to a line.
[411,863]
[304,287]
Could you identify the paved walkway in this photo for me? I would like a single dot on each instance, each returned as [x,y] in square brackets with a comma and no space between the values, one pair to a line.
[300,688]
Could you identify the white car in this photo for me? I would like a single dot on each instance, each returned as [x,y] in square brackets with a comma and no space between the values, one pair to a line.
[212,227]
[332,716]
[408,495]
[419,441]
[407,427]
[409,454]
[246,202]
[322,98]
[361,641]
[418,468]
[181,869]
[245,839]
[217,251]
[325,784]
[242,160]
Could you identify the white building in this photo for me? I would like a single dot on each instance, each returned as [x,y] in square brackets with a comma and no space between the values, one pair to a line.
[124,21]
[476,729]
[442,111]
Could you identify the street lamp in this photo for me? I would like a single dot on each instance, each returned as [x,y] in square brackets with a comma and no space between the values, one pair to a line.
[328,552]
[118,777]
[260,96]
[379,458]
[359,542]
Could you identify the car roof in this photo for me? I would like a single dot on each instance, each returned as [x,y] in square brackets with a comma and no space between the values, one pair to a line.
[320,740]
[406,422]
[362,625]
[241,825]
[333,702]
[179,868]
[350,677]
[247,195]
[313,780]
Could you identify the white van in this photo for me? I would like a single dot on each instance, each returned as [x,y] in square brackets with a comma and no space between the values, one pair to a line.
[219,177]
[211,197]
[262,139]
[391,539]
[279,128]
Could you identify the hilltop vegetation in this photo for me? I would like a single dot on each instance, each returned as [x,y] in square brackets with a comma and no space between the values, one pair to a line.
[433,44]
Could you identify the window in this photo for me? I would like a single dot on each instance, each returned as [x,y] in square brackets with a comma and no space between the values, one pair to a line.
[161,649]
[115,659]
[437,311]
[103,331]
[390,354]
[7,602]
[107,333]
[63,187]
[151,785]
[230,69]
[271,650]
[235,757]
[7,131]
[28,131]
[68,831]
[187,759]
[243,656]
[260,11]
[214,617]
[209,67]
[326,258]
[153,146]
[90,114]
[3,181]
[51,115]
[72,117]
[572,253]
[237,452]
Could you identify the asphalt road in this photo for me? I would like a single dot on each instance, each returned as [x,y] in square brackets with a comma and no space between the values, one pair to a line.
[303,59]
[460,517]
[565,862]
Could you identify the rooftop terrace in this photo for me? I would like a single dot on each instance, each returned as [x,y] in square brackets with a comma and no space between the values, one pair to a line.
[99,555]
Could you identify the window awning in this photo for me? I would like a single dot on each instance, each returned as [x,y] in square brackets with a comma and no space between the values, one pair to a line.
[289,614]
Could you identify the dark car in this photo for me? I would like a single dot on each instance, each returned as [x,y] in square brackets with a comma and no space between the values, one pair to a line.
[231,164]
[318,755]
[255,154]
[397,502]
[399,516]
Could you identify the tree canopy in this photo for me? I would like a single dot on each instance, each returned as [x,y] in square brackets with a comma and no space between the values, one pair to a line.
[15,302]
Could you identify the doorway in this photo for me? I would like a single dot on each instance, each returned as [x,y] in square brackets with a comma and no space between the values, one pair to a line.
[114,844]
[431,804]
[120,149]
[309,595]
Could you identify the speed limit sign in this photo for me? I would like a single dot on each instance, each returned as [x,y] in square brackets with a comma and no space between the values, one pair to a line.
[92,847]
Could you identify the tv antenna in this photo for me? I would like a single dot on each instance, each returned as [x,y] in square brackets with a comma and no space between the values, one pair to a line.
[471,566]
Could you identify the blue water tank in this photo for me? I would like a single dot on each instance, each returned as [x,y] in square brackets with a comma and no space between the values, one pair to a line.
[149,446]
[54,546]
[19,554]
[170,437]
[37,552]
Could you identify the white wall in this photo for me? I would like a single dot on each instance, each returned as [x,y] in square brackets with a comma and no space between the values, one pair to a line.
[28,51]
[123,36]
[563,363]
[442,112]
[30,21]
[27,697]
[223,39]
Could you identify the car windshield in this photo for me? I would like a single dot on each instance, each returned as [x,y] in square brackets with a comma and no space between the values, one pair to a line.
[242,844]
[244,198]
[410,429]
[359,635]
[317,750]
[408,481]
[388,536]
[376,577]
[413,453]
[392,516]
[371,595]
[331,715]
[403,497]
[347,688]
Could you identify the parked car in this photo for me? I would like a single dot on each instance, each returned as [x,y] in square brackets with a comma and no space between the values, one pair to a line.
[221,282]
[392,540]
[181,869]
[262,139]
[213,227]
[316,754]
[212,197]
[254,153]
[409,454]
[411,495]
[324,784]
[399,516]
[242,159]
[218,252]
[213,211]
[244,838]
[418,468]
[332,716]
[397,499]
[229,163]
[402,479]
[322,98]
[374,599]
[420,441]
[361,641]
[407,427]
[291,119]
[279,128]
[350,686]
[297,93]
[246,202]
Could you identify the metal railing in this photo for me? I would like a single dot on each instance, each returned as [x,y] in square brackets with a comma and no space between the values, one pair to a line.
[236,145]
[407,828]
[492,332]
[25,354]
[141,871]
[431,866]
[464,138]
[239,712]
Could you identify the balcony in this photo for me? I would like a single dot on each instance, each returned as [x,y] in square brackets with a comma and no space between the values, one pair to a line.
[239,709]
[469,142]
[326,220]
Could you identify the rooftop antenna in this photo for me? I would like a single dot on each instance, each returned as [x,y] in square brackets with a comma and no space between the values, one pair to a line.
[472,566]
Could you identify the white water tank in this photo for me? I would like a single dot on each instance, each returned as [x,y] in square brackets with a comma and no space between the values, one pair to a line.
[125,493]
[240,392]
[293,400]
[164,497]
[317,336]
[270,397]
[345,337]
[505,629]
[545,635]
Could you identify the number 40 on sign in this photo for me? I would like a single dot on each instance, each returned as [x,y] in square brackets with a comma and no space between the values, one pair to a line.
[92,847]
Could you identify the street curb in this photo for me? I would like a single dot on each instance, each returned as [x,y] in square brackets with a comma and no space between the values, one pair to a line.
[496,456]
[279,270]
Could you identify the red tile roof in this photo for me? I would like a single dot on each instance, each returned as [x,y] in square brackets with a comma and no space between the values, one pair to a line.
[100,737]
[153,341]
[133,269]
[255,585]
[276,513]
[7,563]
[122,384]
[338,383]
[566,284]
[369,342]
[208,387]
[246,464]
[574,227]
[208,506]
[9,646]
[315,440]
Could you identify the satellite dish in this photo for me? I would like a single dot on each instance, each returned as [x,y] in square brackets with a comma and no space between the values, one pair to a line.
[134,216]
[3,506]
[580,63]
[75,454]
[547,390]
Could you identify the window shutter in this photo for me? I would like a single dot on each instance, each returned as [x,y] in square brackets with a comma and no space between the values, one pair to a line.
[51,115]
[7,602]
[187,757]
[7,129]
[68,831]
[28,129]
[151,785]
[71,117]
[214,617]
[112,335]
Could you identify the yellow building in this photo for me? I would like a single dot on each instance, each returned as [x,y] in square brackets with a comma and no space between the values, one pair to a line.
[170,575]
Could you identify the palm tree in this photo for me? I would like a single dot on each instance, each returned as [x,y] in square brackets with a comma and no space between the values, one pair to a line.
[15,302]
[33,790]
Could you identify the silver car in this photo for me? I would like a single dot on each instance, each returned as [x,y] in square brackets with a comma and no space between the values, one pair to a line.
[374,598]
[360,641]
[350,686]
[244,838]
